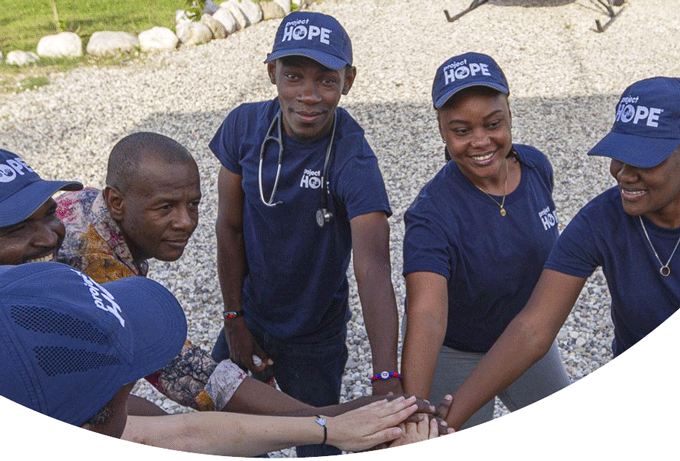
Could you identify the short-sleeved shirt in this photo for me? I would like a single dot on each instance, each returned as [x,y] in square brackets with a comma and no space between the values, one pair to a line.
[603,235]
[491,263]
[295,286]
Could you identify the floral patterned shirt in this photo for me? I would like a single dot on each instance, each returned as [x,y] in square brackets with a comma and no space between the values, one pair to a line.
[94,244]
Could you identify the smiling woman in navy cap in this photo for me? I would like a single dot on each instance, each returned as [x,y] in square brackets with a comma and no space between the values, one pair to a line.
[632,231]
[476,239]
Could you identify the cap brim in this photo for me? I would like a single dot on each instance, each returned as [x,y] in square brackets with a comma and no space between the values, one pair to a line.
[447,95]
[27,200]
[157,321]
[324,59]
[639,151]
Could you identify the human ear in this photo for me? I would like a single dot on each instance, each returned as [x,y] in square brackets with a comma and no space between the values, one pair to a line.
[350,75]
[271,70]
[115,202]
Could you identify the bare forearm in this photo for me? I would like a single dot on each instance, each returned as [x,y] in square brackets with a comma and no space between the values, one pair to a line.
[258,398]
[380,317]
[424,337]
[230,265]
[247,435]
[499,367]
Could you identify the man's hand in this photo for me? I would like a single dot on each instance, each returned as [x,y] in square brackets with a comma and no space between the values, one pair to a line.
[242,345]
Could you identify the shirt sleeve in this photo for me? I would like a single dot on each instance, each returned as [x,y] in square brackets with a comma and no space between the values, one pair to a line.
[360,183]
[426,246]
[225,143]
[576,251]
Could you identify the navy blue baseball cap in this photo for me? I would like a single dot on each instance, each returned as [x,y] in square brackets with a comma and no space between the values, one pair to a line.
[22,191]
[314,35]
[646,124]
[464,71]
[68,344]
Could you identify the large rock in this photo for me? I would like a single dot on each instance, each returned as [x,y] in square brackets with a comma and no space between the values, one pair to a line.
[21,58]
[106,42]
[236,12]
[193,33]
[272,10]
[224,16]
[181,16]
[216,27]
[158,39]
[285,4]
[63,45]
[251,10]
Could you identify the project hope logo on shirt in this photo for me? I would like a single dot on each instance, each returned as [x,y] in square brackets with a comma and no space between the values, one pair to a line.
[628,111]
[548,217]
[311,179]
[299,30]
[13,167]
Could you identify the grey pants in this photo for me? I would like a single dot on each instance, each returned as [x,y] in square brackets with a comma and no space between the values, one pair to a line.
[542,379]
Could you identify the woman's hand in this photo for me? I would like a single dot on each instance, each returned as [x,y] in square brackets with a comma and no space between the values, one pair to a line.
[369,425]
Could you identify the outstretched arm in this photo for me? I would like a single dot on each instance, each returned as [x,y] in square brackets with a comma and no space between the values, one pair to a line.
[526,339]
[371,251]
[247,435]
[231,265]
[427,301]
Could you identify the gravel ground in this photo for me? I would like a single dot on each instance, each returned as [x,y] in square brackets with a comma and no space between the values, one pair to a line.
[564,77]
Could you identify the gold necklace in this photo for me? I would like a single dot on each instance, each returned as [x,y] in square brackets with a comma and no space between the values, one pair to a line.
[664,270]
[505,190]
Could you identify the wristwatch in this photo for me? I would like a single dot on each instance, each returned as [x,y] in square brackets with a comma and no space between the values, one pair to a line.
[322,422]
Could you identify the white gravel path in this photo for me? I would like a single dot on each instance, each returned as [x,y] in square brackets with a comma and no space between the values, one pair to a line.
[564,78]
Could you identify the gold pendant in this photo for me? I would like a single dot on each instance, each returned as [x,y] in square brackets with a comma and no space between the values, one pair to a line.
[503,212]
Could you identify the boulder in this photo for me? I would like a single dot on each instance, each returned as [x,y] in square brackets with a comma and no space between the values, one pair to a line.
[158,39]
[181,16]
[236,12]
[272,10]
[21,58]
[63,45]
[301,4]
[285,4]
[193,33]
[224,16]
[251,10]
[216,27]
[105,42]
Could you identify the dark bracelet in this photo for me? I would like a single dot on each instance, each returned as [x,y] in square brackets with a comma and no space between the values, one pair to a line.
[233,314]
[322,422]
[385,375]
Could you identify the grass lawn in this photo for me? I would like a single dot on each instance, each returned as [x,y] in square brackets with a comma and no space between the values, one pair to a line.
[24,22]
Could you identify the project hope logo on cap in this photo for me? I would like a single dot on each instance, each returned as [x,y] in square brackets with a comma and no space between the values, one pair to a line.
[314,35]
[464,71]
[646,126]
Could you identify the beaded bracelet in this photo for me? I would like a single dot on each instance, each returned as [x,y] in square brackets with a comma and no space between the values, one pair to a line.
[385,375]
[233,314]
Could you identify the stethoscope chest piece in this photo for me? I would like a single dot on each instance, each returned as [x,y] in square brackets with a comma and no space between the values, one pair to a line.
[323,216]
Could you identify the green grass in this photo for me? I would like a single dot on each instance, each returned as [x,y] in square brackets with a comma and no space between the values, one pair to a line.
[24,22]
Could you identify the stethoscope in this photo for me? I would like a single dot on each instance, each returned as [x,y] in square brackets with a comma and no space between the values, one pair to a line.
[322,214]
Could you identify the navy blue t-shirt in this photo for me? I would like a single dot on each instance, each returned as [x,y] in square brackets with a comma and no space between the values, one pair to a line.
[296,284]
[602,234]
[491,263]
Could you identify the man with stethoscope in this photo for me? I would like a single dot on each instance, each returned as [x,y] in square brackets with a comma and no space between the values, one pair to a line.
[299,191]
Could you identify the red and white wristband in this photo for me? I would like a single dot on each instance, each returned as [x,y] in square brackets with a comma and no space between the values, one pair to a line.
[385,375]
